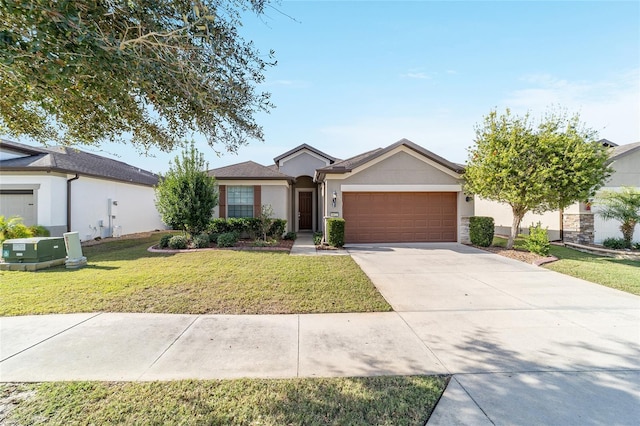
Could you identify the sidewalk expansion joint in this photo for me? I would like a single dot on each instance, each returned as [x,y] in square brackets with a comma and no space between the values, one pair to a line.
[423,343]
[474,401]
[51,337]
[170,346]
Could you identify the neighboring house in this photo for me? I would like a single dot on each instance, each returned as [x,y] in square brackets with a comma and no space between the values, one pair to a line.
[65,189]
[573,224]
[401,193]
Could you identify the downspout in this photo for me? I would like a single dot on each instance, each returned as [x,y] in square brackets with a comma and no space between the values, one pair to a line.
[69,201]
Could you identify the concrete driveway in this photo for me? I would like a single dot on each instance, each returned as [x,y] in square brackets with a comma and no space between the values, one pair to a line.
[526,345]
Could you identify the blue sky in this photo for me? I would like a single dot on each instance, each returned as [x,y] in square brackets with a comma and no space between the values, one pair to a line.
[353,76]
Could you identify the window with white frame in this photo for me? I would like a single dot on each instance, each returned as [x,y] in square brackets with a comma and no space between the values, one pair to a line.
[240,201]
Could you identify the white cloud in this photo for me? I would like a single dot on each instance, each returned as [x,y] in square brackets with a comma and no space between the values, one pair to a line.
[610,105]
[417,75]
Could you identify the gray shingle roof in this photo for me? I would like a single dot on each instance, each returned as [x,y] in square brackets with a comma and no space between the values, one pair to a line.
[73,160]
[353,162]
[622,150]
[248,170]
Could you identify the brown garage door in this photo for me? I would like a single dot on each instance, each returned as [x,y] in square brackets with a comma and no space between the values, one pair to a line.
[385,217]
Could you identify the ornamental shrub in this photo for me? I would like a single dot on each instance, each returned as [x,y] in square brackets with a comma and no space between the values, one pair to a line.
[615,243]
[481,230]
[178,242]
[218,226]
[335,231]
[228,239]
[213,237]
[290,236]
[538,240]
[278,227]
[164,241]
[201,241]
[317,238]
[39,231]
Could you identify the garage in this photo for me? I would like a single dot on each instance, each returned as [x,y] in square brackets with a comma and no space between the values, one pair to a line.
[18,202]
[386,217]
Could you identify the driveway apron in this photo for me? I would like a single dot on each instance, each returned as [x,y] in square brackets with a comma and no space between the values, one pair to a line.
[525,345]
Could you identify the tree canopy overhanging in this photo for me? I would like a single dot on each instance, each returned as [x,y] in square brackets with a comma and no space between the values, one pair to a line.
[535,168]
[145,71]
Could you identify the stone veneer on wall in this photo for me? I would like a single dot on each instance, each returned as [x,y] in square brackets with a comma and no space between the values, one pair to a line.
[464,230]
[578,228]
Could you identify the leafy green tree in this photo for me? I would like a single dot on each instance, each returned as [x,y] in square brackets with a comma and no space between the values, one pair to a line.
[535,168]
[187,195]
[623,206]
[83,72]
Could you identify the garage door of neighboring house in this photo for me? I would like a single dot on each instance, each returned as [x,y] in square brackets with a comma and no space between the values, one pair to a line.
[18,202]
[385,217]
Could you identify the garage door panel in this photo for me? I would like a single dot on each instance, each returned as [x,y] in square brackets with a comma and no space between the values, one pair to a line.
[400,217]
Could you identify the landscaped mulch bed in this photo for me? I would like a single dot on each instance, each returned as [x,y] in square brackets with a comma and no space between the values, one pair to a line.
[521,255]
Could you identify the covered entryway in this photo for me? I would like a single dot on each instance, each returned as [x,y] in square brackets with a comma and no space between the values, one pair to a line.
[19,202]
[382,217]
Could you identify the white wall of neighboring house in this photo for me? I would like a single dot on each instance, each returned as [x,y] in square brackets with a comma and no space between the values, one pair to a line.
[135,210]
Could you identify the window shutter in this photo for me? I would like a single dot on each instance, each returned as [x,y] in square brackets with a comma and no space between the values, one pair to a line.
[222,201]
[257,200]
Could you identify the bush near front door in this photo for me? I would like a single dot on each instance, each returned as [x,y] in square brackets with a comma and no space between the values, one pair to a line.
[335,232]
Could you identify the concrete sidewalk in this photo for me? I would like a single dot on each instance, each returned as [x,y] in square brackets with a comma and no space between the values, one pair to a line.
[116,346]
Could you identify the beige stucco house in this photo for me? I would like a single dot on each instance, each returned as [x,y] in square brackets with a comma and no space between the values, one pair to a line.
[401,193]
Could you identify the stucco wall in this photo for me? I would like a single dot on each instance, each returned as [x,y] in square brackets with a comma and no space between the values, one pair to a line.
[302,164]
[277,196]
[401,168]
[135,212]
[627,171]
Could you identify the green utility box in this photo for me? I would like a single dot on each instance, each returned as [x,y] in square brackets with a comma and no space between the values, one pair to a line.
[33,250]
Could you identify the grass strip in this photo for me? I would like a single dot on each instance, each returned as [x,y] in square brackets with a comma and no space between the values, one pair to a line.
[336,401]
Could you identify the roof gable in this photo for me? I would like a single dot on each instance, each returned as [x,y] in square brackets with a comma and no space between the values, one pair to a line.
[304,147]
[362,160]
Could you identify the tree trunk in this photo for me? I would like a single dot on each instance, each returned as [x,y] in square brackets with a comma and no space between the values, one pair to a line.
[627,229]
[517,218]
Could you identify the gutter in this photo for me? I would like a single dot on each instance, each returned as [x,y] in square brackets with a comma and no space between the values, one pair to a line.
[69,201]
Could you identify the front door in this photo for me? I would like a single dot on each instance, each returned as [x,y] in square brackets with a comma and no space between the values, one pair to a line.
[305,208]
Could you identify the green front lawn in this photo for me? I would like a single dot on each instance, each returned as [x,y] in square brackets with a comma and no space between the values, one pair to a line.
[123,277]
[344,401]
[615,273]
[620,274]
